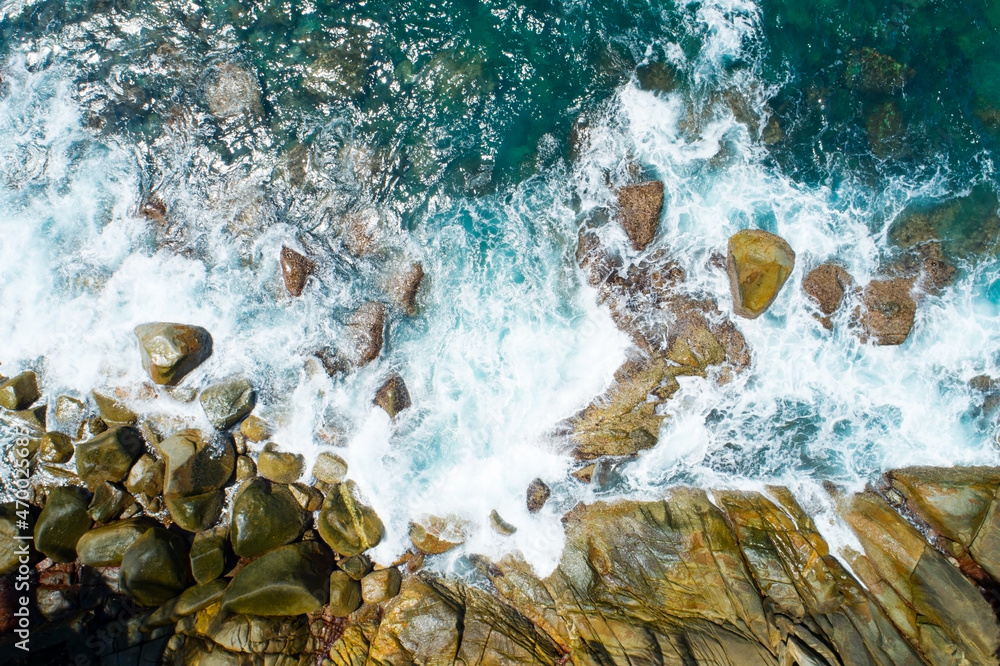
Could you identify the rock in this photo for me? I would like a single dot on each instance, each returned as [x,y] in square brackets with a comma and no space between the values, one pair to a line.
[911,579]
[404,288]
[106,546]
[886,132]
[826,285]
[758,263]
[366,328]
[55,447]
[10,545]
[886,312]
[62,522]
[657,76]
[232,92]
[985,546]
[280,466]
[146,476]
[19,392]
[393,396]
[195,513]
[227,403]
[189,602]
[109,456]
[34,419]
[171,351]
[196,464]
[329,468]
[538,495]
[501,526]
[246,468]
[639,210]
[69,411]
[309,498]
[209,554]
[113,411]
[434,535]
[585,474]
[108,503]
[347,525]
[873,72]
[255,429]
[357,567]
[288,581]
[155,568]
[265,517]
[295,270]
[381,585]
[345,594]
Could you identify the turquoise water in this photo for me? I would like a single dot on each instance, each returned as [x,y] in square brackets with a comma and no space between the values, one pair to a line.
[477,138]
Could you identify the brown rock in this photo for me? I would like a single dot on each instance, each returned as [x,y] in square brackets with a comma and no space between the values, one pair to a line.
[826,285]
[886,311]
[758,263]
[639,210]
[538,495]
[295,269]
[393,396]
[171,351]
[367,328]
[434,535]
[405,286]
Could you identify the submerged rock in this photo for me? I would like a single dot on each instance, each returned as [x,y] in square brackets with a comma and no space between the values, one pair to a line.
[265,516]
[875,72]
[227,403]
[434,535]
[346,524]
[758,263]
[886,312]
[538,495]
[232,92]
[155,568]
[62,522]
[19,392]
[106,546]
[404,287]
[288,581]
[367,329]
[171,351]
[826,285]
[639,210]
[295,270]
[393,396]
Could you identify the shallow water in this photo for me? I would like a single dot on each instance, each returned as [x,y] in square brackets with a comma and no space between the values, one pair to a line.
[477,138]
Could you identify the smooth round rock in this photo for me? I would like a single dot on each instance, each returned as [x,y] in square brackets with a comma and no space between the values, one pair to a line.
[759,263]
[196,464]
[55,447]
[106,546]
[381,585]
[347,525]
[62,522]
[290,580]
[265,516]
[227,403]
[19,392]
[171,351]
[109,456]
[329,468]
[195,513]
[345,594]
[210,552]
[155,568]
[280,466]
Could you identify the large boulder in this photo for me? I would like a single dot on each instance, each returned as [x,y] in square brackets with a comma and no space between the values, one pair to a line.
[639,210]
[171,351]
[758,263]
[196,463]
[195,513]
[106,546]
[295,270]
[228,402]
[885,315]
[393,396]
[155,567]
[291,580]
[345,594]
[346,524]
[265,516]
[19,392]
[826,285]
[109,456]
[62,522]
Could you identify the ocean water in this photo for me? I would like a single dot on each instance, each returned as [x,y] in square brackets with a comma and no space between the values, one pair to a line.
[477,138]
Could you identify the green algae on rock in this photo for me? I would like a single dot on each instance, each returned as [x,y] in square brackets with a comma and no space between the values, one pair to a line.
[227,403]
[265,516]
[62,522]
[155,567]
[109,456]
[106,546]
[210,552]
[287,581]
[19,392]
[346,524]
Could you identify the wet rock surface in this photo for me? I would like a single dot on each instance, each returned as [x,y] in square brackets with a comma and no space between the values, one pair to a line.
[826,285]
[885,315]
[227,403]
[295,270]
[639,210]
[171,351]
[758,262]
